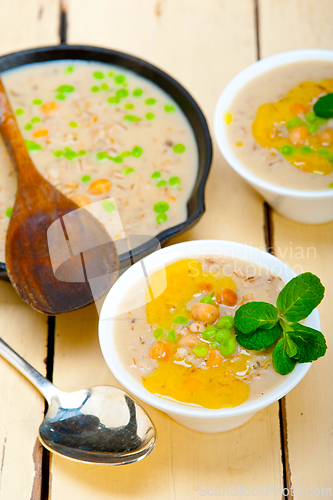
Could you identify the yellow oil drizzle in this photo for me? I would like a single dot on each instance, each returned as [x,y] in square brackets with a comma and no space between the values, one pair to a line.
[282,112]
[183,279]
[216,387]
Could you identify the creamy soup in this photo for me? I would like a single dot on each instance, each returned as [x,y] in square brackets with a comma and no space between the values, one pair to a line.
[182,345]
[273,131]
[97,131]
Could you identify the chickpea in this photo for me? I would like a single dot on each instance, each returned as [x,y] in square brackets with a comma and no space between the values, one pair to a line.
[325,136]
[189,340]
[160,350]
[298,135]
[227,297]
[100,186]
[206,313]
[81,200]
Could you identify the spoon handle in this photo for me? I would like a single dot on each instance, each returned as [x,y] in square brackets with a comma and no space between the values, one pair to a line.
[44,386]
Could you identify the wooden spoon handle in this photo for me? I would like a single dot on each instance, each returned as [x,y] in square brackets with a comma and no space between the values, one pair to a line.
[13,138]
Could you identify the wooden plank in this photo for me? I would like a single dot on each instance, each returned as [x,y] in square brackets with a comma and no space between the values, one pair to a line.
[22,407]
[28,24]
[294,25]
[192,40]
[309,408]
[22,25]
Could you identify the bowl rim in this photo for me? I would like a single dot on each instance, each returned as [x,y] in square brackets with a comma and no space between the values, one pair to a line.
[171,254]
[227,96]
[65,51]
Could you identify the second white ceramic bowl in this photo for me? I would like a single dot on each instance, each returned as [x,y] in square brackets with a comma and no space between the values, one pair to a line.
[200,419]
[310,207]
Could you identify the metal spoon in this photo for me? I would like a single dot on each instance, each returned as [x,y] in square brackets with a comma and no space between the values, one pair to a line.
[102,425]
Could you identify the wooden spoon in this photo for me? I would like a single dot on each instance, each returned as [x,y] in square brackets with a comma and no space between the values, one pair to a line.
[81,249]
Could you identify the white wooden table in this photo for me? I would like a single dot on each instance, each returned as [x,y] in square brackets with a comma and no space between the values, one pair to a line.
[203,44]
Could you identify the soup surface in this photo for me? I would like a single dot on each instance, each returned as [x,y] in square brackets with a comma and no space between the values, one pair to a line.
[273,131]
[97,131]
[181,344]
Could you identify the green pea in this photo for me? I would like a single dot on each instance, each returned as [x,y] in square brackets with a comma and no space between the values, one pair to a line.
[150,101]
[131,118]
[156,175]
[174,181]
[305,150]
[119,79]
[111,73]
[320,120]
[102,155]
[295,122]
[65,88]
[161,206]
[98,75]
[58,153]
[129,106]
[70,69]
[330,185]
[104,86]
[137,151]
[108,206]
[180,320]
[313,128]
[117,159]
[172,335]
[169,108]
[122,93]
[125,154]
[226,322]
[128,170]
[209,332]
[310,117]
[9,212]
[94,89]
[200,351]
[161,184]
[114,100]
[82,152]
[137,92]
[86,178]
[32,145]
[150,116]
[28,126]
[37,101]
[323,152]
[35,120]
[61,97]
[179,148]
[214,345]
[222,335]
[208,299]
[70,155]
[73,124]
[287,150]
[160,218]
[228,347]
[19,112]
[158,333]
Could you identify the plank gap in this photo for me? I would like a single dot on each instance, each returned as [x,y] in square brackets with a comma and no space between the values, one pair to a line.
[63,22]
[256,20]
[287,484]
[45,483]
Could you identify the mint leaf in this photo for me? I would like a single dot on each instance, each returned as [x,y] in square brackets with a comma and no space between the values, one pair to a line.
[260,338]
[291,347]
[324,106]
[254,315]
[281,361]
[311,344]
[300,296]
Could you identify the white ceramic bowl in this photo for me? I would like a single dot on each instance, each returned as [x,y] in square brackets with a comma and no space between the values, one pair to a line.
[200,419]
[310,207]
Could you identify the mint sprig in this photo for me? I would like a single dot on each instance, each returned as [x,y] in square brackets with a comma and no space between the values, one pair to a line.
[324,106]
[259,324]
